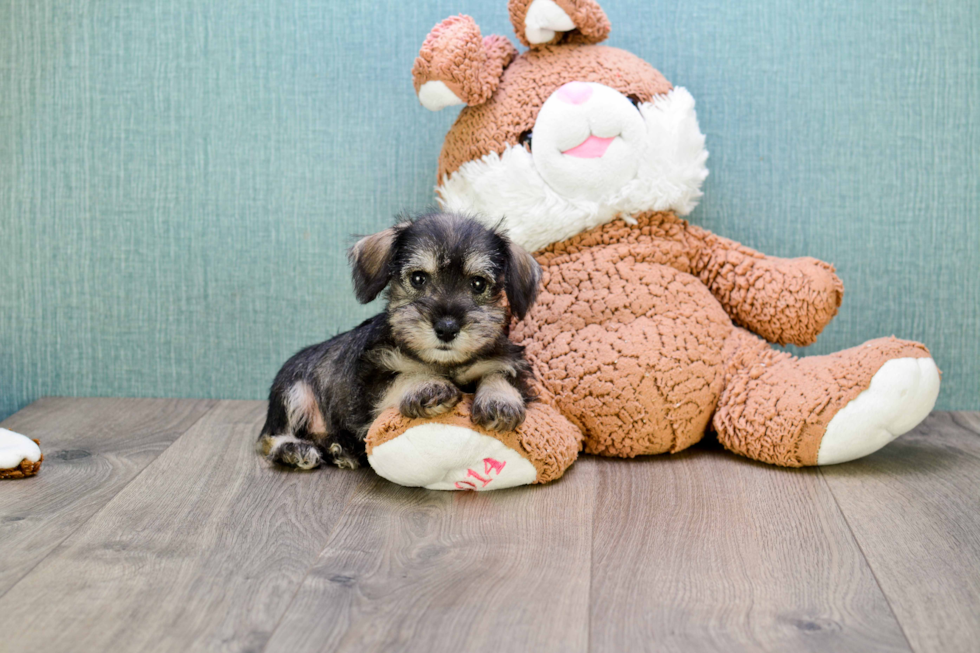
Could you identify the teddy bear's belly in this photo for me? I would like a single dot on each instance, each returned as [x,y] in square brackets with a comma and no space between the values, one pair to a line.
[633,353]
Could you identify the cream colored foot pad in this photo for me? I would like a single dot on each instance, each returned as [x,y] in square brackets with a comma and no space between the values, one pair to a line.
[447,457]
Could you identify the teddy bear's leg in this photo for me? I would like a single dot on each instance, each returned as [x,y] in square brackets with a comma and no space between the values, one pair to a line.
[449,452]
[822,410]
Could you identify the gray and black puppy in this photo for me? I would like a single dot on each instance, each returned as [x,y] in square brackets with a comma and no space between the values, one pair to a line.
[443,332]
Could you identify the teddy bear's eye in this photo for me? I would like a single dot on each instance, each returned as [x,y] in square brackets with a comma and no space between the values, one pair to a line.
[525,139]
[635,100]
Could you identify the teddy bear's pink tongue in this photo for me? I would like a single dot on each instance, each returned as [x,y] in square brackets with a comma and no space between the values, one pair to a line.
[591,148]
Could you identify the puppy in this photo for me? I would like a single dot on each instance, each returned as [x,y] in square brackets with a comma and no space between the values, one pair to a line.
[443,332]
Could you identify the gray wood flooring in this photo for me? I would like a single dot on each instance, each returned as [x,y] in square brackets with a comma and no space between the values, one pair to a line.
[154,527]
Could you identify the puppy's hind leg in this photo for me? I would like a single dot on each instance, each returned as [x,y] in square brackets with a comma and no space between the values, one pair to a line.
[345,450]
[290,451]
[291,412]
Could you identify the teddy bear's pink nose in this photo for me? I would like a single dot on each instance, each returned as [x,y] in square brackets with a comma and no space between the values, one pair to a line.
[575,92]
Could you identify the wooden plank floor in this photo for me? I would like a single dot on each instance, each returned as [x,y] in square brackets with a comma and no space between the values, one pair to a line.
[154,527]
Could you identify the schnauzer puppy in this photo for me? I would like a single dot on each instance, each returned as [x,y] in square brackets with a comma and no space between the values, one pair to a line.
[443,332]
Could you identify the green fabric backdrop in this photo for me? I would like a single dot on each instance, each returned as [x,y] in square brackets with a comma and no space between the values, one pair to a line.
[179,179]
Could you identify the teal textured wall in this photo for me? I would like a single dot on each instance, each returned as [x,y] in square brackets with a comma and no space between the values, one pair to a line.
[178,179]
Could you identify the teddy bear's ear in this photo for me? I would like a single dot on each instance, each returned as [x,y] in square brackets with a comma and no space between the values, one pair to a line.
[543,22]
[458,66]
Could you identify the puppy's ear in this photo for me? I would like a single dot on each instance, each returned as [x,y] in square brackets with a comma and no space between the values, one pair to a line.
[370,260]
[522,279]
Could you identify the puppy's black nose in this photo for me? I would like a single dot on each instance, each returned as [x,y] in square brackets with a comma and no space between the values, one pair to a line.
[446,328]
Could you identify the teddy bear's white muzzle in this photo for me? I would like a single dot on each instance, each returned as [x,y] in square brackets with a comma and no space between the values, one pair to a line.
[587,141]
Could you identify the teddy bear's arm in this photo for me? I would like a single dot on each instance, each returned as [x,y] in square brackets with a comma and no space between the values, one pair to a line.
[786,301]
[782,300]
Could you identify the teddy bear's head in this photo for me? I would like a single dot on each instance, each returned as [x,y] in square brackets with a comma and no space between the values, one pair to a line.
[563,137]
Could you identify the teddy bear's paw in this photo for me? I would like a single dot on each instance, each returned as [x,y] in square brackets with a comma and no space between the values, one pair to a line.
[901,394]
[449,457]
[430,399]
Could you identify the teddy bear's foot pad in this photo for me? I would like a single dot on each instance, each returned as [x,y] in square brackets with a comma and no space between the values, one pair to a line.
[901,394]
[449,457]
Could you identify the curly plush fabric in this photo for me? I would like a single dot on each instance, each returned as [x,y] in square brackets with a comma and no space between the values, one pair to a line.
[633,338]
[628,338]
[776,408]
[469,65]
[782,300]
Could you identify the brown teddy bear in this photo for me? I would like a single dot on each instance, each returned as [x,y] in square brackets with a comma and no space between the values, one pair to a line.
[649,331]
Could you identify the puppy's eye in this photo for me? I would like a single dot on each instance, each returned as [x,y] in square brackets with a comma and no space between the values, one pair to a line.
[635,100]
[525,139]
[418,279]
[478,284]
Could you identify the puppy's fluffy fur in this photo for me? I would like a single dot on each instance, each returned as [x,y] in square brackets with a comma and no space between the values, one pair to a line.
[443,331]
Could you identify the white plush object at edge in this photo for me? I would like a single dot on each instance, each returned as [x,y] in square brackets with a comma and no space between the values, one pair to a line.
[543,19]
[435,96]
[437,456]
[15,448]
[900,396]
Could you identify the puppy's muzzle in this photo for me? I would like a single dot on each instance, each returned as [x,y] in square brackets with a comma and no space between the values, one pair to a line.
[446,328]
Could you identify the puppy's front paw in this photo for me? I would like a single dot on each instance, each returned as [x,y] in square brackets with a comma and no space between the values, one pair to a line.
[498,413]
[430,399]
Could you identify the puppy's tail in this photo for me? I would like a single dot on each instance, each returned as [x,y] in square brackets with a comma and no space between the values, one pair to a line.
[290,451]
